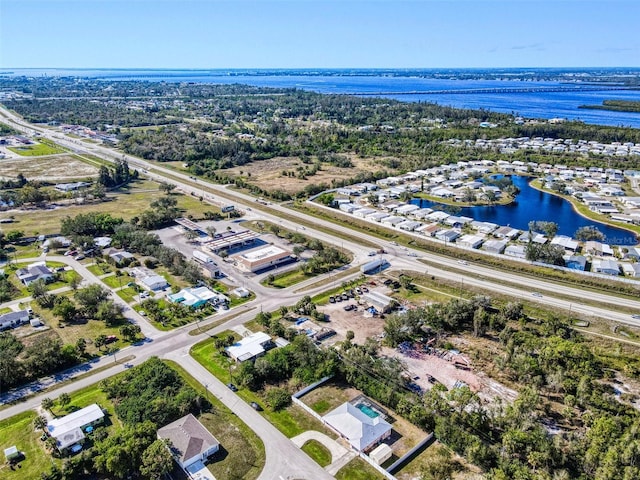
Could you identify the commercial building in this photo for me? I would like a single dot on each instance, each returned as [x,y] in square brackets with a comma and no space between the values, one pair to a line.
[379,300]
[262,258]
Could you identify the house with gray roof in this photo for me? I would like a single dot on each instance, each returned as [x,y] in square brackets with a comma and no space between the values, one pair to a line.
[191,442]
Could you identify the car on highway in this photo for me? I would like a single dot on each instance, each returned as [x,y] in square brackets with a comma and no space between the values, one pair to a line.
[372,253]
[463,262]
[232,387]
[537,294]
[412,254]
[636,316]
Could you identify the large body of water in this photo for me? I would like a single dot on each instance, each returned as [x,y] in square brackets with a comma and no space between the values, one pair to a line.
[526,104]
[532,204]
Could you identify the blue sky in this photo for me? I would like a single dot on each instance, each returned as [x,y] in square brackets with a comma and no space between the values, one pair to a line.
[318,33]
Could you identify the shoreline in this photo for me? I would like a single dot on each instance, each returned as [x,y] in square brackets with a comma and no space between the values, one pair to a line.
[574,206]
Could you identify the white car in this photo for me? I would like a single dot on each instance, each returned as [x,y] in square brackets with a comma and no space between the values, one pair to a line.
[372,254]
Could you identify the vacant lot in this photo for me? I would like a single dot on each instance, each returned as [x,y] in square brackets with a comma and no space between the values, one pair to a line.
[126,202]
[268,174]
[52,168]
[36,149]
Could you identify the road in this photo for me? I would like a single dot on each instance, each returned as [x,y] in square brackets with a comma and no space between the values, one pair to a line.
[284,459]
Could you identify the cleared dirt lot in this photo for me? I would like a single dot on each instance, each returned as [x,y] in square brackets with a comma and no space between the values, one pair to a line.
[267,174]
[54,167]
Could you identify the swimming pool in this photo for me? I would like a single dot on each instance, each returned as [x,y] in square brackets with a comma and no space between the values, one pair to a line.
[368,411]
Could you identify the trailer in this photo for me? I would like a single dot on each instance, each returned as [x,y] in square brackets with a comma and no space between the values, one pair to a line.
[202,257]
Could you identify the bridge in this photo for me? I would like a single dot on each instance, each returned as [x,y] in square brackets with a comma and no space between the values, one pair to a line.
[490,91]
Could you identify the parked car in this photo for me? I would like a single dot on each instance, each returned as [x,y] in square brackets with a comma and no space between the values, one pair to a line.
[256,406]
[232,387]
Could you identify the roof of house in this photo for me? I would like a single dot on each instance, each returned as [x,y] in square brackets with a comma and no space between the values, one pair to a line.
[68,429]
[360,429]
[13,316]
[188,437]
[249,347]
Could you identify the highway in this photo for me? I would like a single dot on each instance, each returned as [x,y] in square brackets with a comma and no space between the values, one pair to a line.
[285,460]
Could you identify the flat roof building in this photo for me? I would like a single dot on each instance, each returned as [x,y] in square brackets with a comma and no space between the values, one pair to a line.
[249,347]
[69,430]
[262,258]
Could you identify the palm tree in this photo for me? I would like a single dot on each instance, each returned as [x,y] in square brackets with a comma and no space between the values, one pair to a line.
[40,422]
[64,399]
[47,404]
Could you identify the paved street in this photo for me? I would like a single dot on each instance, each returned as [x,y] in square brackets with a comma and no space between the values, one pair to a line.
[285,460]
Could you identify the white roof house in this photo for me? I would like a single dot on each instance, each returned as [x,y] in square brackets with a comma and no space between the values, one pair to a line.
[68,430]
[565,242]
[406,209]
[376,217]
[155,282]
[249,347]
[191,442]
[359,429]
[470,241]
[608,267]
[517,251]
[495,246]
[196,297]
[408,225]
[393,220]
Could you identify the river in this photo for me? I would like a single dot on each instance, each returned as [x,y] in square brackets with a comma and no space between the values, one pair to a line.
[527,104]
[532,204]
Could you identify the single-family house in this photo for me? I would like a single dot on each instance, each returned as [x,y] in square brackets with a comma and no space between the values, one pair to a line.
[364,430]
[191,443]
[575,262]
[13,319]
[470,241]
[198,297]
[122,256]
[565,242]
[494,246]
[69,430]
[34,272]
[607,267]
[449,235]
[249,347]
[517,251]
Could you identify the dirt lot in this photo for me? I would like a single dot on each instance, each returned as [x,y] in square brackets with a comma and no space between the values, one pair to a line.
[52,167]
[363,326]
[267,174]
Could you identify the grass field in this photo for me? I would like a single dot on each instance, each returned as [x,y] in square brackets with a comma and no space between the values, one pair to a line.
[358,469]
[18,430]
[318,452]
[241,455]
[126,202]
[37,150]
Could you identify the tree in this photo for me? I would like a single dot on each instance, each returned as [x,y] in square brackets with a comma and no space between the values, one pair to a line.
[47,404]
[81,346]
[130,332]
[491,196]
[157,460]
[211,231]
[100,341]
[14,235]
[40,422]
[64,399]
[10,367]
[65,309]
[277,398]
[167,187]
[587,233]
[548,228]
[90,297]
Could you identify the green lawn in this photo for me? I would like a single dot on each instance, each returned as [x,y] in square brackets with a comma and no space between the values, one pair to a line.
[287,279]
[290,421]
[100,269]
[318,452]
[241,454]
[115,281]
[18,430]
[128,294]
[358,469]
[36,150]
